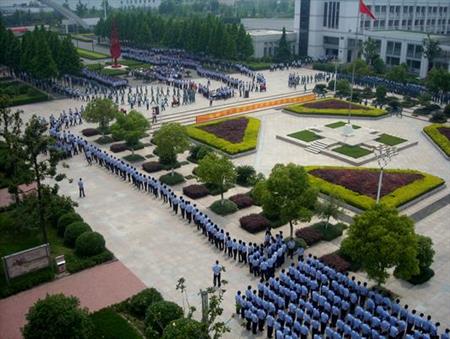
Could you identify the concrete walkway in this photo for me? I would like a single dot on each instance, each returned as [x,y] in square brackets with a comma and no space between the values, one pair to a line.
[96,288]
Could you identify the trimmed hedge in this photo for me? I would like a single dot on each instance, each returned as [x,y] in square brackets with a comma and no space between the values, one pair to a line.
[27,281]
[90,132]
[119,147]
[398,197]
[108,324]
[336,261]
[228,207]
[185,328]
[439,139]
[309,234]
[171,180]
[162,313]
[65,220]
[242,200]
[428,109]
[89,244]
[301,109]
[73,231]
[152,166]
[80,264]
[138,304]
[195,191]
[248,143]
[103,140]
[254,223]
[425,274]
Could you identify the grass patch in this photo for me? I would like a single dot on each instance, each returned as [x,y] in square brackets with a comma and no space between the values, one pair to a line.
[258,66]
[21,93]
[81,38]
[434,132]
[114,72]
[396,198]
[103,140]
[390,140]
[305,135]
[352,151]
[108,324]
[338,124]
[172,179]
[248,143]
[84,53]
[228,207]
[133,158]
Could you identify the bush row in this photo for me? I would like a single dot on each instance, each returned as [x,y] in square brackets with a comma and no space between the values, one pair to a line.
[301,109]
[248,143]
[320,231]
[441,140]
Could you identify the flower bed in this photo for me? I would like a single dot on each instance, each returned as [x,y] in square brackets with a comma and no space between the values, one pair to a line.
[232,136]
[117,148]
[242,200]
[333,106]
[152,166]
[254,223]
[358,186]
[336,261]
[90,132]
[440,134]
[195,191]
[309,234]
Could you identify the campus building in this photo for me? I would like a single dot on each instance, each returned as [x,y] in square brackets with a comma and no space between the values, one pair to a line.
[331,28]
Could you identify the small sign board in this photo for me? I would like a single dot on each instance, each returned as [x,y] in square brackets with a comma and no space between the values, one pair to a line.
[26,261]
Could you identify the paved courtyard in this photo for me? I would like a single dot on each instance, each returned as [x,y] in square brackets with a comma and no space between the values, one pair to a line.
[159,248]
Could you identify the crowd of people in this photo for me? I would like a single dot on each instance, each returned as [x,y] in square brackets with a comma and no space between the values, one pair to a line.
[313,300]
[103,79]
[295,79]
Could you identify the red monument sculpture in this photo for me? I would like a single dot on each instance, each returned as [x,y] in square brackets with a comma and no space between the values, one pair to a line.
[115,45]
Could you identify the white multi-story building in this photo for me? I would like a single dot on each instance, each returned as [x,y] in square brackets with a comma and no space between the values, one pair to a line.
[331,28]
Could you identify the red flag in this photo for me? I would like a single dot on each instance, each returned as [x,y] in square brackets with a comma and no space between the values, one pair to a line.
[115,43]
[365,10]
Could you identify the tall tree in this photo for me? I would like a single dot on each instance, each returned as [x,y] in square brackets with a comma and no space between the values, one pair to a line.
[218,171]
[329,208]
[101,111]
[43,65]
[380,239]
[431,50]
[288,194]
[284,49]
[171,139]
[370,51]
[69,59]
[130,127]
[399,73]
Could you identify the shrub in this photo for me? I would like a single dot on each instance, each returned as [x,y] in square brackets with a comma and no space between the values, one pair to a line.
[331,231]
[438,117]
[161,313]
[216,190]
[152,166]
[195,191]
[151,333]
[76,263]
[103,140]
[198,152]
[309,234]
[185,328]
[90,132]
[133,158]
[73,231]
[65,220]
[89,244]
[335,261]
[119,147]
[223,207]
[447,110]
[171,179]
[60,177]
[428,109]
[138,304]
[254,223]
[27,281]
[242,200]
[245,175]
[108,324]
[434,132]
[425,274]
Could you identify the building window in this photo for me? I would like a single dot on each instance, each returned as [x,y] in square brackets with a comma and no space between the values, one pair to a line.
[330,40]
[393,48]
[338,8]
[392,61]
[325,13]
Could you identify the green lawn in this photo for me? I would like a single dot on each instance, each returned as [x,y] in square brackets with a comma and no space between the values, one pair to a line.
[84,53]
[305,135]
[21,93]
[390,140]
[108,324]
[352,151]
[133,158]
[338,124]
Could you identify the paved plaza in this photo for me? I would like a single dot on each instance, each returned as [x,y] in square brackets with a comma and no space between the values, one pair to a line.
[159,247]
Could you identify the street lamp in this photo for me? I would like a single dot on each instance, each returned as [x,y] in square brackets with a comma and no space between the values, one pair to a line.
[384,155]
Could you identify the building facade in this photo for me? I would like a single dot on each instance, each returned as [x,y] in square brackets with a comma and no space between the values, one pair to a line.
[333,28]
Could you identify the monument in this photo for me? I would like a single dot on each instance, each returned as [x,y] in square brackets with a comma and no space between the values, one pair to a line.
[115,46]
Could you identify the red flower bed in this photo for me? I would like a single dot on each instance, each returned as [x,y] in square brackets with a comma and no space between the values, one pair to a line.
[152,166]
[117,148]
[445,131]
[366,181]
[254,223]
[230,130]
[336,261]
[195,191]
[242,200]
[90,132]
[334,104]
[309,234]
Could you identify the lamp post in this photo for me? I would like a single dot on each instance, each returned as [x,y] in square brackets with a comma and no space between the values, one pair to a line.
[384,155]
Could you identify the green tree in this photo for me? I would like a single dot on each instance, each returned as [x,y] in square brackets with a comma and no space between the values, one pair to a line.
[69,59]
[171,139]
[287,193]
[361,67]
[43,65]
[284,49]
[329,208]
[431,50]
[438,80]
[101,111]
[379,66]
[218,171]
[343,88]
[425,251]
[58,316]
[130,127]
[380,239]
[370,51]
[399,73]
[380,94]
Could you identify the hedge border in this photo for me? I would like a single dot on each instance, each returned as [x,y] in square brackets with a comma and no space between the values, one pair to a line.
[439,139]
[301,109]
[397,198]
[248,143]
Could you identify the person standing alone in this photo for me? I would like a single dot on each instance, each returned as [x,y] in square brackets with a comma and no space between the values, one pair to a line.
[217,270]
[81,188]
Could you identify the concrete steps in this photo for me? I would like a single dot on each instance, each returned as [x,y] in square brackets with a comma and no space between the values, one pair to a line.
[316,147]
